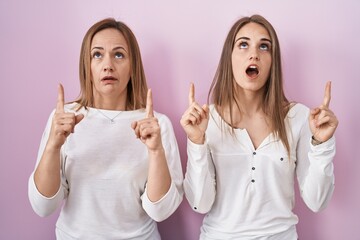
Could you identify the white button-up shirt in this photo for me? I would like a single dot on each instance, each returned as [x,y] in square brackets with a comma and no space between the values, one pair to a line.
[248,193]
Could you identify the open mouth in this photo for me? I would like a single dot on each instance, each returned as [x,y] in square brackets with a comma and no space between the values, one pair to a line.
[252,71]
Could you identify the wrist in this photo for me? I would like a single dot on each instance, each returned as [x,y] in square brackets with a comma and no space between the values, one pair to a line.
[198,141]
[315,142]
[157,151]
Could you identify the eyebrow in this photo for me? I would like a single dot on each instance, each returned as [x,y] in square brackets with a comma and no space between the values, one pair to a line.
[114,49]
[246,38]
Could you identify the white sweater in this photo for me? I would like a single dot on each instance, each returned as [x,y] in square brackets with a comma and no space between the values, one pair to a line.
[248,193]
[104,173]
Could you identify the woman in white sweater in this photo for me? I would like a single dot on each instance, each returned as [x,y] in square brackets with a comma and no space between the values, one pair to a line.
[112,159]
[246,148]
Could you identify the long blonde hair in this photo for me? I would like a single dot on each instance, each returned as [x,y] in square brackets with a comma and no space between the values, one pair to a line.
[137,87]
[222,91]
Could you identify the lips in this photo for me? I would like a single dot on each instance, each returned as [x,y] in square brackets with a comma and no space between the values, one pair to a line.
[252,71]
[108,78]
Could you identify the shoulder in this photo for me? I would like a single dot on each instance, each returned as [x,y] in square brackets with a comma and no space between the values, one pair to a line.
[74,107]
[215,116]
[297,109]
[298,114]
[162,118]
[167,130]
[212,108]
[213,112]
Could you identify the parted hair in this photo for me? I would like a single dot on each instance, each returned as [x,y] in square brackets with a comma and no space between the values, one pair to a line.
[222,90]
[137,87]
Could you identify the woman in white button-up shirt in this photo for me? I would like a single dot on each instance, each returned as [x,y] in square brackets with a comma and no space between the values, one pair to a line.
[247,147]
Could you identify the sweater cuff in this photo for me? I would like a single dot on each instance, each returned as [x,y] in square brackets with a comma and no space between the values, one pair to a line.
[321,156]
[165,206]
[41,204]
[196,152]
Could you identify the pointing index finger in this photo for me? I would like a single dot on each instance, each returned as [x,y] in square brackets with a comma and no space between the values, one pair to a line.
[60,99]
[327,96]
[149,104]
[191,94]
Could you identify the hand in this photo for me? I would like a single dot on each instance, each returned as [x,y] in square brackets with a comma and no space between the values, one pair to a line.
[323,121]
[63,123]
[148,129]
[195,119]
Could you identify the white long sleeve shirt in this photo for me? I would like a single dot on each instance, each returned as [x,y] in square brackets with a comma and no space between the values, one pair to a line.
[104,170]
[248,193]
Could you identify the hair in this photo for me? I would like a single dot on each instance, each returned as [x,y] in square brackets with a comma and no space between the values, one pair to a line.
[222,90]
[137,87]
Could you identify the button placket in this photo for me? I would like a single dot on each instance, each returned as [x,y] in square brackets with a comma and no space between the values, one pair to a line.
[253,167]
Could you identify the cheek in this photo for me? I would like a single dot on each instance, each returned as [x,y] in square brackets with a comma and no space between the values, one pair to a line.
[94,71]
[266,61]
[268,68]
[124,71]
[236,64]
[238,70]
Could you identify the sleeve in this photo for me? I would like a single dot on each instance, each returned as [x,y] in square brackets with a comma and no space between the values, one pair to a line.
[162,209]
[44,206]
[315,170]
[199,183]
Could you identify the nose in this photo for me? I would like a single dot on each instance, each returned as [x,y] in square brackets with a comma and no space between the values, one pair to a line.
[254,55]
[108,68]
[108,64]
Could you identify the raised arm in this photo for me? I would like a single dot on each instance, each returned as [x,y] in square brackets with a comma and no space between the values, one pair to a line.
[195,119]
[315,170]
[47,174]
[148,131]
[323,121]
[199,182]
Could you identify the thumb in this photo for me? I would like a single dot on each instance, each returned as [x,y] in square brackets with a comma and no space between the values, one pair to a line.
[78,118]
[205,107]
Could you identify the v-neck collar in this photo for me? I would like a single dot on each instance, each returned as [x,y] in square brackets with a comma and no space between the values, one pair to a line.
[243,133]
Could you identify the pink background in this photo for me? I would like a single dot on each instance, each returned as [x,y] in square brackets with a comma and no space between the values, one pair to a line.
[180,43]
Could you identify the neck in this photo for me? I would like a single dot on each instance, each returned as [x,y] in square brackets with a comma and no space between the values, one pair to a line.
[250,107]
[250,103]
[110,103]
[110,106]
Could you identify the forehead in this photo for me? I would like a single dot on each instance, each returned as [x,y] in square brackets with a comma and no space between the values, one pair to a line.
[109,36]
[253,31]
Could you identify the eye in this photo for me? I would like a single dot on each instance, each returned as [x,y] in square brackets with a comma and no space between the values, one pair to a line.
[119,55]
[96,55]
[264,47]
[243,45]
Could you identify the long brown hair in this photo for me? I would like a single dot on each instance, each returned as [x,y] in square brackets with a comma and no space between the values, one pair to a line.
[222,91]
[137,87]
